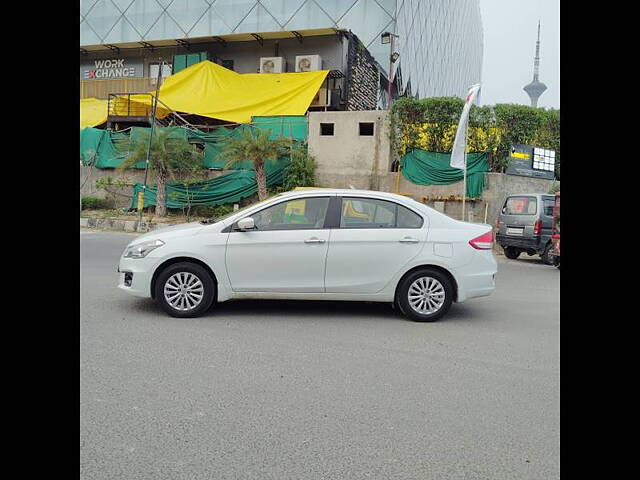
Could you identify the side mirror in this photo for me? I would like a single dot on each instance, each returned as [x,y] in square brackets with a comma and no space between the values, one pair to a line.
[245,224]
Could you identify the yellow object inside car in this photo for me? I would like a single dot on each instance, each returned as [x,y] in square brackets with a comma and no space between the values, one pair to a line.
[349,211]
[294,213]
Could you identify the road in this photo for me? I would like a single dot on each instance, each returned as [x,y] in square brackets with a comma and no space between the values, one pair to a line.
[318,390]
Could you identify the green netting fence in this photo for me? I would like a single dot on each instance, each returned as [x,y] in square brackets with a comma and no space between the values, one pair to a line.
[105,149]
[431,168]
[228,188]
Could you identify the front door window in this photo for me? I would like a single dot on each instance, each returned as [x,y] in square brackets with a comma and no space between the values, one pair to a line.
[299,214]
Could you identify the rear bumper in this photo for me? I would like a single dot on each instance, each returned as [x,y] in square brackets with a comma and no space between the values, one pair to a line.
[519,242]
[477,279]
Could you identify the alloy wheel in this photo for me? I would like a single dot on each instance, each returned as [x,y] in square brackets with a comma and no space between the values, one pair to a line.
[426,295]
[183,291]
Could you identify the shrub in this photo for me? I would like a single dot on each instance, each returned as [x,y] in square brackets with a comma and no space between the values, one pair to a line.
[94,203]
[210,211]
[301,172]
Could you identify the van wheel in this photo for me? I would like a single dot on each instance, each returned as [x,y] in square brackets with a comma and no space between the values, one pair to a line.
[425,295]
[511,252]
[547,256]
[185,290]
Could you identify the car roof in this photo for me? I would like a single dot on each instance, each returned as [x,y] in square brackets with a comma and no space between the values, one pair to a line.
[345,191]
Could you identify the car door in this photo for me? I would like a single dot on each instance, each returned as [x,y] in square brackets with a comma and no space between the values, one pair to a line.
[547,218]
[375,239]
[286,252]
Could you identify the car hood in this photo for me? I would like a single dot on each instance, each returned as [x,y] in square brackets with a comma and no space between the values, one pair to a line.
[181,230]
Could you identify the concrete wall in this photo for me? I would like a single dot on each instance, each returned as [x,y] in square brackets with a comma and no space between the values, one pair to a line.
[347,158]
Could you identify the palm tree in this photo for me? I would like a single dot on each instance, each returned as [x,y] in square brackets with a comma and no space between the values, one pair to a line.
[256,146]
[168,156]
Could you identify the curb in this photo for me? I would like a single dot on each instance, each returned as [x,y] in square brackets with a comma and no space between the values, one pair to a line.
[120,225]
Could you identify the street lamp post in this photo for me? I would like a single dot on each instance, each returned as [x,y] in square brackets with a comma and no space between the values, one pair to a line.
[154,108]
[387,37]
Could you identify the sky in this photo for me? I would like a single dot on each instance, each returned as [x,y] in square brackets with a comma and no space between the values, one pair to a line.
[510,29]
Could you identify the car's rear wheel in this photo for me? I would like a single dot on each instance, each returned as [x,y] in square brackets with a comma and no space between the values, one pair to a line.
[185,290]
[425,295]
[511,252]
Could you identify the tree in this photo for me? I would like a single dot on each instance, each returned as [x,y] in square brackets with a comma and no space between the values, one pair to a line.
[170,157]
[255,146]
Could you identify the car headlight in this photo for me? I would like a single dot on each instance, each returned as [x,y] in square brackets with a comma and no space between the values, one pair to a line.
[141,250]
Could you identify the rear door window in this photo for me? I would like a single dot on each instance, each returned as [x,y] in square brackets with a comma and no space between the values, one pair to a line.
[374,213]
[548,207]
[520,206]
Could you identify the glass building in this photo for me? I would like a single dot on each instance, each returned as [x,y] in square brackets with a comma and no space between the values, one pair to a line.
[439,41]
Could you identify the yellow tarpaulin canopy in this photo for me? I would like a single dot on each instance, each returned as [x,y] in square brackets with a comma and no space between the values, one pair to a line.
[93,112]
[209,90]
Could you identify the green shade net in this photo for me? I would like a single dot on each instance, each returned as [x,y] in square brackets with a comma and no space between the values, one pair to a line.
[105,149]
[431,168]
[228,188]
[290,126]
[99,148]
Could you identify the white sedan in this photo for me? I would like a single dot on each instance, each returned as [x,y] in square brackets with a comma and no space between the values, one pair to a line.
[320,244]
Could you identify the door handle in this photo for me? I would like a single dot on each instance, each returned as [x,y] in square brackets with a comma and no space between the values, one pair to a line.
[314,240]
[409,240]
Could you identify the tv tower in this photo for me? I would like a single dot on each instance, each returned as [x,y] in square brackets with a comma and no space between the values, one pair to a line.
[536,87]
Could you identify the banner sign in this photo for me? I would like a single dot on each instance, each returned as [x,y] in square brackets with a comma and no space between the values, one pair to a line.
[105,69]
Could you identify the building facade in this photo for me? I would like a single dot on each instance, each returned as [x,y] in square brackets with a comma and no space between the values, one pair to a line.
[439,42]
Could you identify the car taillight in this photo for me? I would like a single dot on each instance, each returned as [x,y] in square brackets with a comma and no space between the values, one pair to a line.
[537,227]
[556,236]
[483,242]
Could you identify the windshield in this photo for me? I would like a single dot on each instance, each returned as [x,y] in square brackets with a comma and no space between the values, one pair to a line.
[520,206]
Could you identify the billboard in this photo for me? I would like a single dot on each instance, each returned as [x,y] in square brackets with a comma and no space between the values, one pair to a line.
[530,161]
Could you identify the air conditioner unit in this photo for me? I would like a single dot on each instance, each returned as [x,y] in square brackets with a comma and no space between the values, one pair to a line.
[321,99]
[272,64]
[308,63]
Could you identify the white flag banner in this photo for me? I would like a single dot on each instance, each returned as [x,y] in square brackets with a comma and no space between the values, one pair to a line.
[460,142]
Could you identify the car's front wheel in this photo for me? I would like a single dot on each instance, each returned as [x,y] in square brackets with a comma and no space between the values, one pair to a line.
[425,295]
[185,290]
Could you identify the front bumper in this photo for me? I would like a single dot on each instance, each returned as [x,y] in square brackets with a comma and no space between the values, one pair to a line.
[142,270]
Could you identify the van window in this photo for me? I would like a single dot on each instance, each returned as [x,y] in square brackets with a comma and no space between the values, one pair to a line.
[520,206]
[548,207]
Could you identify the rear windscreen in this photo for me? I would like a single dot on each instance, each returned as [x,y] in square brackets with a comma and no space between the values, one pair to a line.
[520,206]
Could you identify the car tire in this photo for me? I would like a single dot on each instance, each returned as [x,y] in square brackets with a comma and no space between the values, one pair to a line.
[511,253]
[185,290]
[431,295]
[547,255]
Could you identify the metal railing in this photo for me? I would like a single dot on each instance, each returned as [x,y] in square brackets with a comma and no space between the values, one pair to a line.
[121,105]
